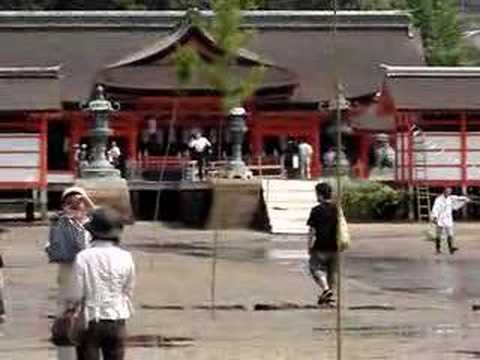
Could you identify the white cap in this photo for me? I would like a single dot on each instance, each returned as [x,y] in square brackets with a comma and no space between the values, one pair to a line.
[238,111]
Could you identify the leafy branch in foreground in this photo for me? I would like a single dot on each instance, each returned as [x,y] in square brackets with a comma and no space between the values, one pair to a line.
[220,70]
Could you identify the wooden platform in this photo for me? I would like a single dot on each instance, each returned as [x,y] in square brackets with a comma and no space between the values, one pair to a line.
[143,185]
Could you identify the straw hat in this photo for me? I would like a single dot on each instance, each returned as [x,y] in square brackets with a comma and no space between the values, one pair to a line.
[77,190]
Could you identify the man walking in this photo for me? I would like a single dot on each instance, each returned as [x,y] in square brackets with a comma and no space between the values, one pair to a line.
[104,278]
[442,217]
[305,152]
[322,243]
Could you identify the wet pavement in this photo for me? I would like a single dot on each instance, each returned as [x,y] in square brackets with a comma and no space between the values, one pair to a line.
[400,300]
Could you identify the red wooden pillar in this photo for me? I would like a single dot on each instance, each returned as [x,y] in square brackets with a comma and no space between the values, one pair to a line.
[74,140]
[43,152]
[397,148]
[314,140]
[411,162]
[132,134]
[256,138]
[364,144]
[463,149]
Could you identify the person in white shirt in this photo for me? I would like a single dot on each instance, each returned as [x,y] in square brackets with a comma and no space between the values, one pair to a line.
[114,154]
[442,217]
[329,158]
[104,277]
[200,147]
[305,152]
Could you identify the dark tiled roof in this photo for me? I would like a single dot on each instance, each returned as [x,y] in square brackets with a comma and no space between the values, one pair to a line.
[32,88]
[153,68]
[85,43]
[433,88]
[163,78]
[371,120]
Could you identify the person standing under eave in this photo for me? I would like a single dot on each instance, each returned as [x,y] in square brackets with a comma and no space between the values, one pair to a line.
[305,152]
[200,148]
[442,217]
[67,237]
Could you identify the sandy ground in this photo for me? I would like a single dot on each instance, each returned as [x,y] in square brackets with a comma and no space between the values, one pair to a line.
[400,301]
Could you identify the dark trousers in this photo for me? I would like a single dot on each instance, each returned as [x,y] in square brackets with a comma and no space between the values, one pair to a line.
[105,336]
[201,158]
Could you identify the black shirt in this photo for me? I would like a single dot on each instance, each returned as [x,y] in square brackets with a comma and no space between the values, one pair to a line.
[323,218]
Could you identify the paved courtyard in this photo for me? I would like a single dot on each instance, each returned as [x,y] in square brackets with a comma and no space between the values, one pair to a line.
[400,300]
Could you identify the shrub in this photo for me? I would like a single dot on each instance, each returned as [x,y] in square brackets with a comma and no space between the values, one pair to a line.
[369,200]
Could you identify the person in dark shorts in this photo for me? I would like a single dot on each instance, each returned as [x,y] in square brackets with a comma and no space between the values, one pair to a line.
[322,243]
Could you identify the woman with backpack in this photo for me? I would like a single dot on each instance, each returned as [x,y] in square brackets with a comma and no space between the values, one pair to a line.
[67,237]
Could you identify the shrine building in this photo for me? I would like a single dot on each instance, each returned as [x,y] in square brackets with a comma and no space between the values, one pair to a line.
[52,61]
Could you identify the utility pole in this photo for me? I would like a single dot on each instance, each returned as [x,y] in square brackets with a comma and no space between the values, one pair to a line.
[338,175]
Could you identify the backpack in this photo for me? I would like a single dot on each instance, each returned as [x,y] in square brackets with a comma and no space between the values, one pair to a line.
[65,240]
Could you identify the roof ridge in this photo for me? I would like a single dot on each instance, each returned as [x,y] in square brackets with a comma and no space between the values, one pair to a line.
[30,71]
[431,71]
[170,19]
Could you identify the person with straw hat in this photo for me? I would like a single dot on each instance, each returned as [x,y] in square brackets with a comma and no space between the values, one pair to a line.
[67,237]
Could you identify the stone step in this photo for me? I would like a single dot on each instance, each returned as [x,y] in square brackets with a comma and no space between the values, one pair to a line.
[288,204]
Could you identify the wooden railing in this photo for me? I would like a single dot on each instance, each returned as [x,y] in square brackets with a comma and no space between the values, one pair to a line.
[172,168]
[161,168]
[266,166]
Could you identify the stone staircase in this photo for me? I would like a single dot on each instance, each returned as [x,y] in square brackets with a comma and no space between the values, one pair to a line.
[288,204]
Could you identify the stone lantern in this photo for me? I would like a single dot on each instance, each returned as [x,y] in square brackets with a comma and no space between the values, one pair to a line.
[100,179]
[341,104]
[100,108]
[237,128]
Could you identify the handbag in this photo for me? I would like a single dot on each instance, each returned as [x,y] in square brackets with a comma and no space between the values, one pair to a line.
[343,232]
[68,329]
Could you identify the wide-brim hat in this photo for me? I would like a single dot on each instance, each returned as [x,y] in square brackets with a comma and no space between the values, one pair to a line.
[80,191]
[105,224]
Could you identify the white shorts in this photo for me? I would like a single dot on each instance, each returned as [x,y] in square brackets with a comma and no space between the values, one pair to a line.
[444,231]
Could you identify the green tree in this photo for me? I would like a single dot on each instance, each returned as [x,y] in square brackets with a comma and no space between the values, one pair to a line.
[226,29]
[23,4]
[383,4]
[446,46]
[439,26]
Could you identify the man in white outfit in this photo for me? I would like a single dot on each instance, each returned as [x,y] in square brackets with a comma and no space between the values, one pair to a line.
[442,217]
[305,152]
[200,147]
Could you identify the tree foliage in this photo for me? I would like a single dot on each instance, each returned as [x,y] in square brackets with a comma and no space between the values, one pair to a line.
[439,25]
[226,29]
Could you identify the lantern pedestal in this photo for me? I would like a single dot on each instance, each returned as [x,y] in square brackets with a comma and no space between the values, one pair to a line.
[112,192]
